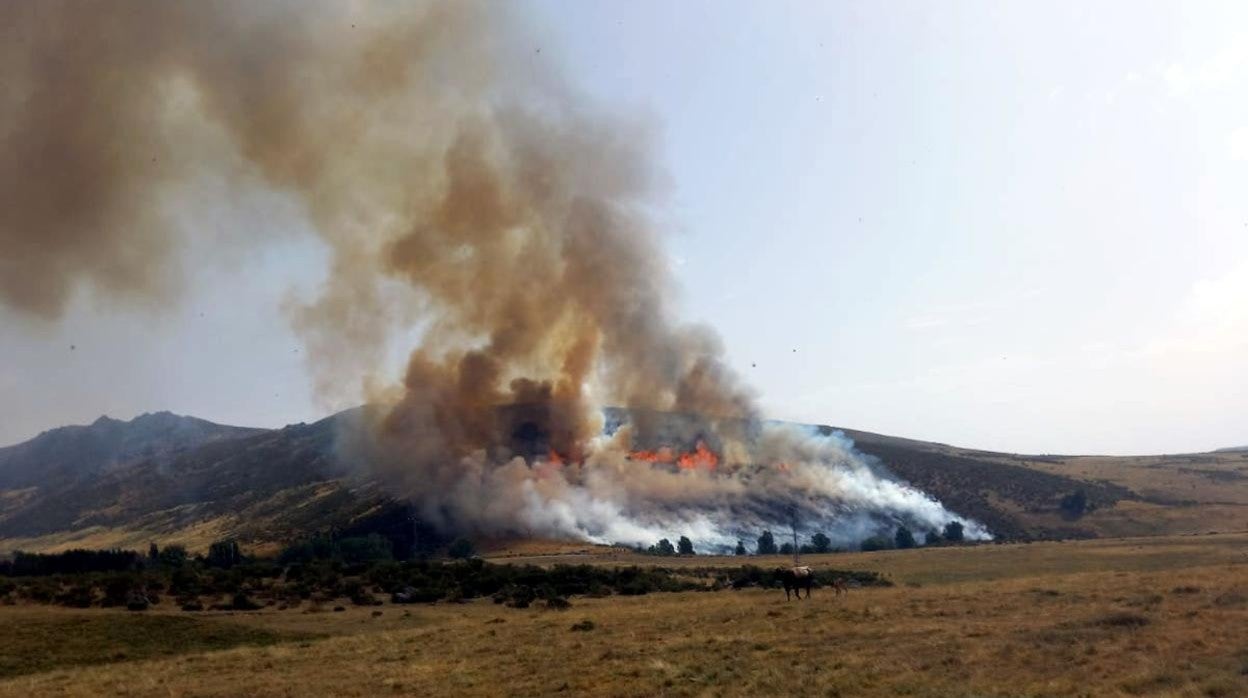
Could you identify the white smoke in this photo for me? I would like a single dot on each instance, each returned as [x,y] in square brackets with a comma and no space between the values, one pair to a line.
[783,475]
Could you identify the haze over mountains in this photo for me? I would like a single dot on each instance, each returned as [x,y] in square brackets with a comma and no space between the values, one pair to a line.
[172,478]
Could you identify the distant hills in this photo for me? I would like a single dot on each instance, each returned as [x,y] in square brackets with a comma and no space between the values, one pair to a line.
[176,479]
[173,478]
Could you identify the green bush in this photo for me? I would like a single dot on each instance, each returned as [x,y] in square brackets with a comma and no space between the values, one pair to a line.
[877,543]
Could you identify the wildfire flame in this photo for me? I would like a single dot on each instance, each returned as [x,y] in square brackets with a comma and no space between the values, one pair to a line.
[701,457]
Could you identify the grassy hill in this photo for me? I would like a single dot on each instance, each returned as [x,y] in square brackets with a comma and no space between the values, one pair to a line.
[174,479]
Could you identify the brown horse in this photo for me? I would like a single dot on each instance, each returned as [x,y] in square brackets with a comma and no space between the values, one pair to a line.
[795,579]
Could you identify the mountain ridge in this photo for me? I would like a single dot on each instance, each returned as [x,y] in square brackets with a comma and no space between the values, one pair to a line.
[175,478]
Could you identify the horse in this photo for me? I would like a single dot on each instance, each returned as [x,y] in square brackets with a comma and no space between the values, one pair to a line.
[795,579]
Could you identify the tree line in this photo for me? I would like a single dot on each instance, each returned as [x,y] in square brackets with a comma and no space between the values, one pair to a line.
[902,537]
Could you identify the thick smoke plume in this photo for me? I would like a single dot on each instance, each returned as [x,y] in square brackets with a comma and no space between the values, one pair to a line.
[467,196]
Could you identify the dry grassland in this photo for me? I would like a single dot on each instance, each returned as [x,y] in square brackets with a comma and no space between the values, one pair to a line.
[1129,617]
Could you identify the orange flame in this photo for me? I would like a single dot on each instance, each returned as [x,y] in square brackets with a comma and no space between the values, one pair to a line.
[554,457]
[662,455]
[701,457]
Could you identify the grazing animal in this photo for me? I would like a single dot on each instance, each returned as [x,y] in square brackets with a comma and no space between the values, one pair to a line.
[795,579]
[839,586]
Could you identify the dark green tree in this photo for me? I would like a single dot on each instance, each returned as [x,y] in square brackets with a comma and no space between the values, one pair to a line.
[766,544]
[954,532]
[932,537]
[820,543]
[740,548]
[684,546]
[172,556]
[224,554]
[904,538]
[786,548]
[368,548]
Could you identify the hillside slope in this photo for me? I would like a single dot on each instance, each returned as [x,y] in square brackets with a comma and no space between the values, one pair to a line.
[1019,496]
[192,486]
[182,480]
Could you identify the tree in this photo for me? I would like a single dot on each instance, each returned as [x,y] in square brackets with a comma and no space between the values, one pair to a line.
[820,543]
[954,532]
[786,549]
[370,548]
[172,556]
[461,549]
[664,547]
[740,548]
[153,552]
[766,544]
[684,546]
[904,538]
[224,554]
[932,537]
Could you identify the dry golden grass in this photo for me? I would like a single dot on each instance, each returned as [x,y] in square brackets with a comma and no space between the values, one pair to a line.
[1132,617]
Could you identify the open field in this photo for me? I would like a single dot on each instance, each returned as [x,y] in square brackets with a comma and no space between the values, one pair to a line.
[1160,616]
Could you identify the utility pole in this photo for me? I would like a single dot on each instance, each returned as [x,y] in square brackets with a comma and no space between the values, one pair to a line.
[793,528]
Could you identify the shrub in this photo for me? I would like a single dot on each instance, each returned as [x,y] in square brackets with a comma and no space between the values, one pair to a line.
[241,602]
[520,596]
[583,626]
[740,548]
[877,543]
[137,601]
[80,595]
[558,603]
[117,590]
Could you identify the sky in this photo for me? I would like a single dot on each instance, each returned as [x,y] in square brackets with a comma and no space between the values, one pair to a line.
[1020,227]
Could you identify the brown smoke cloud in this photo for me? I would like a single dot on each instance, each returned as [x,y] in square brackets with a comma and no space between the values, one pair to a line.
[464,192]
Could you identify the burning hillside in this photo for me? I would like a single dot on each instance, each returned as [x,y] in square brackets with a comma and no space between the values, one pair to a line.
[469,199]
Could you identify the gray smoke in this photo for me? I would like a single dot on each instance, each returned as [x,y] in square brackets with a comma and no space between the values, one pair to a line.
[464,191]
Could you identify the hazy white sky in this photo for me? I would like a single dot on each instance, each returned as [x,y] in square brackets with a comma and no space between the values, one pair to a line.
[1009,226]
